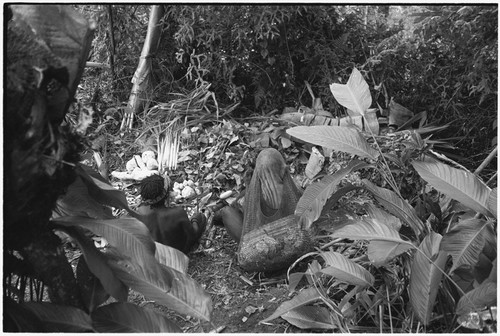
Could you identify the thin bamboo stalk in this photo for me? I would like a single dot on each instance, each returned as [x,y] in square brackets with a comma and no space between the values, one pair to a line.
[176,150]
[487,161]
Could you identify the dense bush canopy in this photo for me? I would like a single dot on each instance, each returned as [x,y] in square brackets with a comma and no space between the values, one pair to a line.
[438,59]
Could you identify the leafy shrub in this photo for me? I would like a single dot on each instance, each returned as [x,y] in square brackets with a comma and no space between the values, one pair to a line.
[260,56]
[438,59]
[445,63]
[400,262]
[131,260]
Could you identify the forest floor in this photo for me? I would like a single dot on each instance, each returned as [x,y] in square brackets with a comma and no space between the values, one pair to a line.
[217,156]
[240,300]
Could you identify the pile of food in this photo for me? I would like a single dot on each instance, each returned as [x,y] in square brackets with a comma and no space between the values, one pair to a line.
[139,167]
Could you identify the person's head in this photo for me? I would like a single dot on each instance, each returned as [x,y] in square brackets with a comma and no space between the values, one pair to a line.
[153,190]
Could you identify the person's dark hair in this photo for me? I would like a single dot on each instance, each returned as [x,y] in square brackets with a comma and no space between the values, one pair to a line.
[153,190]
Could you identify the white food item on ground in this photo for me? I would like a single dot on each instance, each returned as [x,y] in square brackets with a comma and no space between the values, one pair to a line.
[138,168]
[139,161]
[226,194]
[188,192]
[139,174]
[121,175]
[152,164]
[148,155]
[131,165]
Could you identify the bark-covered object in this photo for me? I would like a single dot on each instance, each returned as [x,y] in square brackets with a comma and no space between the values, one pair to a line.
[142,76]
[272,237]
[46,49]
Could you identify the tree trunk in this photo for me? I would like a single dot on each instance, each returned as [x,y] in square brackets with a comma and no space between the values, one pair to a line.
[142,76]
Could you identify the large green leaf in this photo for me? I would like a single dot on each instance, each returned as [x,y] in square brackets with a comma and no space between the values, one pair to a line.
[465,242]
[183,295]
[306,296]
[493,272]
[355,95]
[459,184]
[344,139]
[310,317]
[100,189]
[345,270]
[132,240]
[381,216]
[492,202]
[78,202]
[369,229]
[97,263]
[92,291]
[396,206]
[485,295]
[310,204]
[18,318]
[129,235]
[385,242]
[130,318]
[381,252]
[171,257]
[60,318]
[371,121]
[426,274]
[398,114]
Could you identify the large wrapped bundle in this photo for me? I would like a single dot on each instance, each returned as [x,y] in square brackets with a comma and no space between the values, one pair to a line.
[275,245]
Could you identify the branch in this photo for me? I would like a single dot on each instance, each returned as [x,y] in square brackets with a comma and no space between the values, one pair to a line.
[97,65]
[486,161]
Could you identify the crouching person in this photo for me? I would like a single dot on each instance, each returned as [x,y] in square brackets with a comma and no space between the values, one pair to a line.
[168,225]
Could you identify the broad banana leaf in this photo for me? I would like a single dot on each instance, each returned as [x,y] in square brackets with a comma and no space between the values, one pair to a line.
[466,241]
[396,206]
[129,318]
[345,270]
[171,257]
[355,95]
[492,202]
[426,275]
[305,297]
[384,241]
[459,184]
[61,319]
[130,236]
[310,317]
[97,263]
[184,295]
[101,190]
[485,295]
[310,204]
[344,139]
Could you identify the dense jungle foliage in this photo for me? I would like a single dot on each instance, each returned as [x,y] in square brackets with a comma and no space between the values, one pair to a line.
[438,59]
[386,117]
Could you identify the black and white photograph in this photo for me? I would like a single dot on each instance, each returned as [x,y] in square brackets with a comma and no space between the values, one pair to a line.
[250,167]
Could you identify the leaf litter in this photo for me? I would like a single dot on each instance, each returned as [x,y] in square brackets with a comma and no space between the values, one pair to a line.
[219,158]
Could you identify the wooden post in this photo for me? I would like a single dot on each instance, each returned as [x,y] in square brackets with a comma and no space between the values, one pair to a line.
[142,76]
